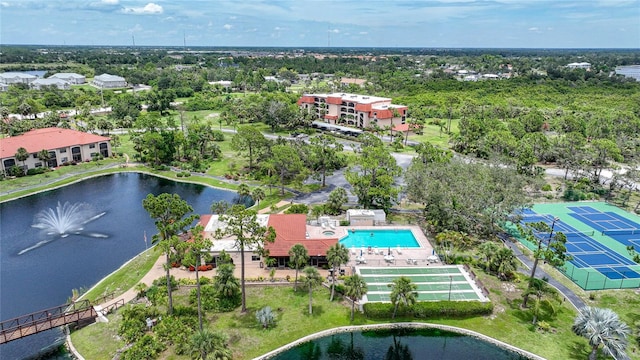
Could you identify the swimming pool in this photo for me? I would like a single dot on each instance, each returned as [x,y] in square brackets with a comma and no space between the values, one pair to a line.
[388,238]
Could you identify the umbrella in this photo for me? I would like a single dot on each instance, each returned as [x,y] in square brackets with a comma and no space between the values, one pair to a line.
[360,252]
[389,251]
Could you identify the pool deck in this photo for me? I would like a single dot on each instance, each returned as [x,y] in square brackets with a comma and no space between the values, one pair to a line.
[422,256]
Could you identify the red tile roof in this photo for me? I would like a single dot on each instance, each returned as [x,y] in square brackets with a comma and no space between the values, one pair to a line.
[291,229]
[46,139]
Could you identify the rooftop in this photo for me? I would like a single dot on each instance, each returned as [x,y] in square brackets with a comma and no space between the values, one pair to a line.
[46,139]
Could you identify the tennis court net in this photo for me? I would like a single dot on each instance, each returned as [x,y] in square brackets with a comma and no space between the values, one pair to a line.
[568,233]
[621,232]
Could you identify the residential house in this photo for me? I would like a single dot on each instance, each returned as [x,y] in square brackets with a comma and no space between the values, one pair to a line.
[71,78]
[107,81]
[360,111]
[580,65]
[63,145]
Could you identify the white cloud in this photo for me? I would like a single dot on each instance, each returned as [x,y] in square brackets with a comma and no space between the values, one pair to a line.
[534,29]
[363,33]
[227,26]
[110,2]
[278,28]
[233,17]
[4,4]
[150,8]
[335,31]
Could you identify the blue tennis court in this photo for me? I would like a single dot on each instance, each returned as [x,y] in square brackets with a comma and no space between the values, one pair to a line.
[615,226]
[585,251]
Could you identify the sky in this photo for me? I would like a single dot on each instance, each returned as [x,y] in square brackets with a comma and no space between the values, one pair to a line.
[322,23]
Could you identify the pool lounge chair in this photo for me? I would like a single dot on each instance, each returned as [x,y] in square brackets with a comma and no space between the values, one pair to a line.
[398,250]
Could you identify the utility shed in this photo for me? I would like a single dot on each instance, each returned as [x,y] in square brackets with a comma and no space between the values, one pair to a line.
[362,217]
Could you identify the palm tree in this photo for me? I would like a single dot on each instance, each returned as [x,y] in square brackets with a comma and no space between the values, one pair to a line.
[298,256]
[337,255]
[43,155]
[243,192]
[193,250]
[355,289]
[402,291]
[310,280]
[22,155]
[258,195]
[602,327]
[506,263]
[225,283]
[206,345]
[540,289]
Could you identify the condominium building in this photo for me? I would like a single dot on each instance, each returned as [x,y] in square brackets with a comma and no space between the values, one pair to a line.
[360,111]
[63,145]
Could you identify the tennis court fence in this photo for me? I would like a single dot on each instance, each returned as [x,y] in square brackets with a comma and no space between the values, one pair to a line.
[592,279]
[622,232]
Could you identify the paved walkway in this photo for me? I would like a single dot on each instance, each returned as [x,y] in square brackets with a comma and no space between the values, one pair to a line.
[575,300]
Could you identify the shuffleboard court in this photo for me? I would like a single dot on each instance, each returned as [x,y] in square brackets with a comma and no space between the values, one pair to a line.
[433,283]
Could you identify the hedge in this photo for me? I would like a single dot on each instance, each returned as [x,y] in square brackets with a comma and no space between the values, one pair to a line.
[430,309]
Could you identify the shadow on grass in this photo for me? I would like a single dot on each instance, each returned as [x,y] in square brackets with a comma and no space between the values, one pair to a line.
[579,351]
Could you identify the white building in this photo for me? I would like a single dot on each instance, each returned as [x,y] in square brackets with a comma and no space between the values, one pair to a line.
[39,84]
[4,87]
[580,65]
[71,78]
[107,81]
[17,78]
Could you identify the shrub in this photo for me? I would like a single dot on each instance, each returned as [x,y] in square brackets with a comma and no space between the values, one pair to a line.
[344,223]
[546,187]
[218,135]
[162,281]
[134,321]
[430,309]
[148,347]
[36,171]
[175,330]
[265,317]
[297,209]
[207,297]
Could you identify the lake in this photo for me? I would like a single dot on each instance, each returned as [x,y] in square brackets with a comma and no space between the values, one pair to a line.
[44,276]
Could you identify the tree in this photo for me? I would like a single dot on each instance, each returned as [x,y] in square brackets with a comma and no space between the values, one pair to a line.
[337,255]
[355,289]
[602,327]
[403,291]
[540,289]
[258,195]
[220,207]
[326,155]
[242,224]
[554,252]
[286,163]
[22,155]
[298,257]
[170,214]
[250,140]
[372,175]
[193,253]
[602,152]
[243,192]
[206,345]
[226,285]
[337,198]
[310,280]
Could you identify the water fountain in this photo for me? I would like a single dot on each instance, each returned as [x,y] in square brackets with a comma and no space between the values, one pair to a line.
[64,220]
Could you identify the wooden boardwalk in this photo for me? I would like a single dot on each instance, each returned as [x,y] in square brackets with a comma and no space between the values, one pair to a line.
[81,312]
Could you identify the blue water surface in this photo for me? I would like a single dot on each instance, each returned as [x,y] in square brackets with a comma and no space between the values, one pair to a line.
[388,238]
[45,276]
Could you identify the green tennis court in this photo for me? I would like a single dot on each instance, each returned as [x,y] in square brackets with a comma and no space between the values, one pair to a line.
[433,283]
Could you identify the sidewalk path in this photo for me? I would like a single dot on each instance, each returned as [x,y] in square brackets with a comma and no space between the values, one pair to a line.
[575,300]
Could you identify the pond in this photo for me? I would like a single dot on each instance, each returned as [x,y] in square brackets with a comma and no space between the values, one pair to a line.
[103,226]
[398,343]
